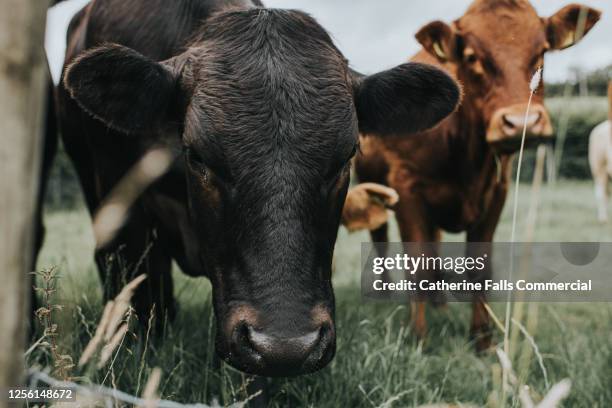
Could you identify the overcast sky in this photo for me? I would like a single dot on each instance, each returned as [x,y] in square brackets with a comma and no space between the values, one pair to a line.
[376,35]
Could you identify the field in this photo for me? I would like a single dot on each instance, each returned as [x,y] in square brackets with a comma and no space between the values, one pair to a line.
[378,362]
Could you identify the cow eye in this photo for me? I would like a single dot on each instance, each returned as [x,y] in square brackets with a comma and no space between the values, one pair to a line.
[193,157]
[471,58]
[195,162]
[207,168]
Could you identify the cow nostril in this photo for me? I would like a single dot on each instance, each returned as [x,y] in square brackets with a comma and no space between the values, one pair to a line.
[537,119]
[507,121]
[324,348]
[242,346]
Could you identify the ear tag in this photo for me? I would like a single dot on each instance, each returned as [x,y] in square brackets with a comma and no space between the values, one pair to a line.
[439,51]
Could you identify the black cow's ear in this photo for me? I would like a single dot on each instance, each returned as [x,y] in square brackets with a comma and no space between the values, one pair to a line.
[406,99]
[124,89]
[568,25]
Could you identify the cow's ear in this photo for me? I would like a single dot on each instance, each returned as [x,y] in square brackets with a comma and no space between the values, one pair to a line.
[406,99]
[440,40]
[124,89]
[568,25]
[366,206]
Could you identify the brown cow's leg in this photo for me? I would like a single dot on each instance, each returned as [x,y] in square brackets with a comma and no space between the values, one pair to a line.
[381,235]
[481,331]
[415,226]
[380,239]
[418,318]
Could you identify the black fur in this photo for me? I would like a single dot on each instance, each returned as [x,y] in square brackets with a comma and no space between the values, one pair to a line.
[122,88]
[263,104]
[405,99]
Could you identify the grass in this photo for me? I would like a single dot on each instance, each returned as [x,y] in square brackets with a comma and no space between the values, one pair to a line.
[378,362]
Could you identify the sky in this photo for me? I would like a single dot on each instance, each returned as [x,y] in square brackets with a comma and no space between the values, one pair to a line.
[376,35]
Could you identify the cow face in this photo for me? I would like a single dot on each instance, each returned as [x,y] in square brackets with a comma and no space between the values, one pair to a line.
[495,49]
[268,113]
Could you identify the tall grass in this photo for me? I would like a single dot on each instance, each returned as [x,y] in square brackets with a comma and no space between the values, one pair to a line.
[378,361]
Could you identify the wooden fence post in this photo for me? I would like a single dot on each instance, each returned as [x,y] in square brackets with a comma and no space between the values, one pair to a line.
[23,74]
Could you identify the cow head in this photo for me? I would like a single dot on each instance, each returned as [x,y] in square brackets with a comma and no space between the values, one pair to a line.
[494,50]
[268,114]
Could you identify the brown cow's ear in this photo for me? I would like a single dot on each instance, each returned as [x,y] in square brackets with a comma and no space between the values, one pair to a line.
[383,195]
[440,40]
[568,25]
[406,99]
[366,206]
[124,89]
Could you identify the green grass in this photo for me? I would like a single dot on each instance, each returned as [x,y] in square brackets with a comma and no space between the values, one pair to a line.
[378,361]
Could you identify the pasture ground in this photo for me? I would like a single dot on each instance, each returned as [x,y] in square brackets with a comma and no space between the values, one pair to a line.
[378,362]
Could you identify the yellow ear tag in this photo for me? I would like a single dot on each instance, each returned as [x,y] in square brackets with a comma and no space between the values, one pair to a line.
[439,51]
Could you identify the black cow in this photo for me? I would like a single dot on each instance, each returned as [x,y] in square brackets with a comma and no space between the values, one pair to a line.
[264,113]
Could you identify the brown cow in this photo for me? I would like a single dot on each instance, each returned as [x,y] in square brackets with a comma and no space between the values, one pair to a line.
[455,177]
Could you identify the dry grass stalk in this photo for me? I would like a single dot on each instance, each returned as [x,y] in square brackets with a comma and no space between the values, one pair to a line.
[62,363]
[532,219]
[536,189]
[112,345]
[494,317]
[113,325]
[536,350]
[149,394]
[98,337]
[552,399]
[122,305]
[533,87]
[111,216]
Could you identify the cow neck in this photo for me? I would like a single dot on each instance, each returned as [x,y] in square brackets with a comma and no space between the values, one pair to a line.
[480,164]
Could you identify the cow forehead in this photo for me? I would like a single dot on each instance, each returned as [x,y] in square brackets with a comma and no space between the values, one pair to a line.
[503,26]
[255,119]
[277,83]
[270,95]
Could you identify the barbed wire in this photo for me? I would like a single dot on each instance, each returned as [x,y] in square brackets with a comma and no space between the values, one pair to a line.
[109,396]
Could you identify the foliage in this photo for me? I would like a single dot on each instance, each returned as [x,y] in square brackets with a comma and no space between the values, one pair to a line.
[596,82]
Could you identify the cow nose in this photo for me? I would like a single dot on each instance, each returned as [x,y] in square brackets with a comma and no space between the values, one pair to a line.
[512,125]
[275,352]
[509,122]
